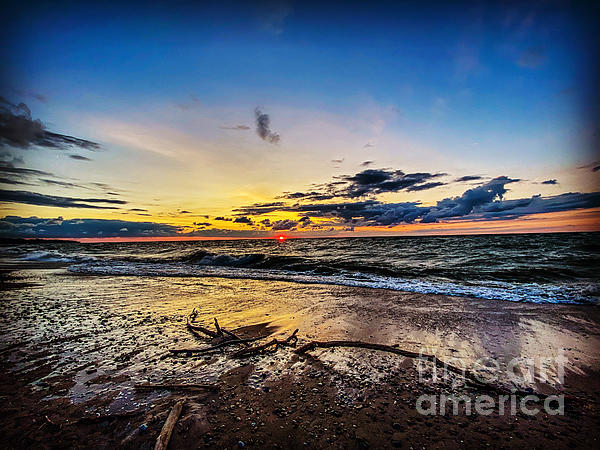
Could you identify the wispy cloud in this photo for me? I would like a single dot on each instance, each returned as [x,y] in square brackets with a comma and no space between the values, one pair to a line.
[34,198]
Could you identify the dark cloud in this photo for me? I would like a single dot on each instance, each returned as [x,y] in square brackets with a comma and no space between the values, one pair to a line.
[425,186]
[80,158]
[371,182]
[337,161]
[263,127]
[18,129]
[202,224]
[258,208]
[468,178]
[138,210]
[34,227]
[5,180]
[33,198]
[472,198]
[9,169]
[236,127]
[281,225]
[65,184]
[184,212]
[366,163]
[553,181]
[12,226]
[595,169]
[244,219]
[484,202]
[226,219]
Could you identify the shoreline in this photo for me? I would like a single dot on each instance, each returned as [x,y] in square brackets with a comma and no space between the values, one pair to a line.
[56,382]
[291,277]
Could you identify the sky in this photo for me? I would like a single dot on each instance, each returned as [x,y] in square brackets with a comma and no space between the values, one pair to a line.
[220,119]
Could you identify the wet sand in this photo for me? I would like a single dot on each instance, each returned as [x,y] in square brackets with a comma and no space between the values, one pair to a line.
[73,347]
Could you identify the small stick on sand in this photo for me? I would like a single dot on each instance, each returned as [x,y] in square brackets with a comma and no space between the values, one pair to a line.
[175,387]
[165,434]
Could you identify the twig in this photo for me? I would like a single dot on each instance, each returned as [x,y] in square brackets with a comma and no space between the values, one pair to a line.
[175,387]
[165,434]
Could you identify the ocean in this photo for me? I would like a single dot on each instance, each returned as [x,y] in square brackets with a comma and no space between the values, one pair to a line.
[538,268]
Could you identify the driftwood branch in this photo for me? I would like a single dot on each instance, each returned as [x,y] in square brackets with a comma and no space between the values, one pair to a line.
[233,336]
[216,347]
[195,327]
[165,434]
[175,387]
[289,342]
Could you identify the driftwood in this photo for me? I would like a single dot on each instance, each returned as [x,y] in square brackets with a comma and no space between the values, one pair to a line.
[175,387]
[195,327]
[289,342]
[235,337]
[165,434]
[199,330]
[218,346]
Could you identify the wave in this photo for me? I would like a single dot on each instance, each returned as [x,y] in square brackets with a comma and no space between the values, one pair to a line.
[474,269]
[573,293]
[53,256]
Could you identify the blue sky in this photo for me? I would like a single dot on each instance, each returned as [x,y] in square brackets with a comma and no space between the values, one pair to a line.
[470,87]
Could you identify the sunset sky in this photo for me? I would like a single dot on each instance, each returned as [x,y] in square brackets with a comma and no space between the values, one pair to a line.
[243,119]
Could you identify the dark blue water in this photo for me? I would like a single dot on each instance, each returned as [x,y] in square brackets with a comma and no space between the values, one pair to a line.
[555,268]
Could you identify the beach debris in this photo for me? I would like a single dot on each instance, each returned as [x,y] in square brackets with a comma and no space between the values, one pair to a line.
[290,341]
[193,327]
[162,441]
[175,387]
[218,346]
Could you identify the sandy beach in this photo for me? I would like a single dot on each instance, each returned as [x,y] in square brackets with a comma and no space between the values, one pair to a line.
[74,347]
